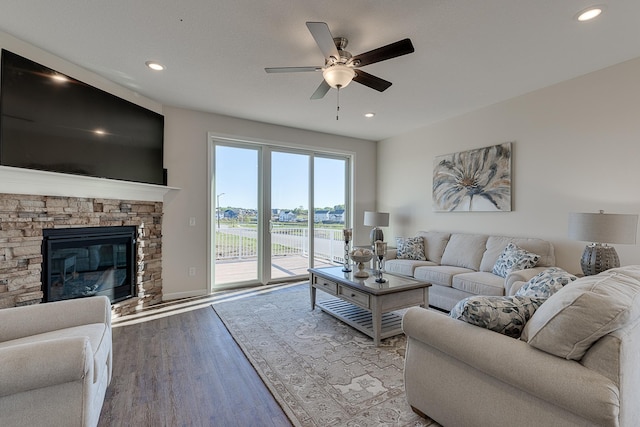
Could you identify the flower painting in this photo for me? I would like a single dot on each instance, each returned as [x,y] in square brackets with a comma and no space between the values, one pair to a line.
[474,180]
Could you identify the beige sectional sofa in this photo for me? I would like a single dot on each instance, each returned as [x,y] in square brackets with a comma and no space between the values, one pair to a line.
[576,363]
[459,265]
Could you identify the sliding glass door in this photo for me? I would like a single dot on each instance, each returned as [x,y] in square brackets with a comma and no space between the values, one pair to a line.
[236,214]
[289,225]
[330,213]
[265,230]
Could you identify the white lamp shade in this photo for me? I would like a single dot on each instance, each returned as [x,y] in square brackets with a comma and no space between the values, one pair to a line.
[603,228]
[338,75]
[376,219]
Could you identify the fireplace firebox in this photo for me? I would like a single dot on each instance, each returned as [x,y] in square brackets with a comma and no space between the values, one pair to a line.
[81,262]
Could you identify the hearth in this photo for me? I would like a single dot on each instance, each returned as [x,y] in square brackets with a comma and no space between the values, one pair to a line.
[81,262]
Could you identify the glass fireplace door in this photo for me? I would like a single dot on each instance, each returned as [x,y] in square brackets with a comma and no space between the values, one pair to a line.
[81,262]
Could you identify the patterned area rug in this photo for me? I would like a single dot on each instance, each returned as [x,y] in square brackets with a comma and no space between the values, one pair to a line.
[321,371]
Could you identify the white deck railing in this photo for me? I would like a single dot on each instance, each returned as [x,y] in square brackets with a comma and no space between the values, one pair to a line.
[242,243]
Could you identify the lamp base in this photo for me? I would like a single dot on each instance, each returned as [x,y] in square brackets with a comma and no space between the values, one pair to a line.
[376,234]
[597,258]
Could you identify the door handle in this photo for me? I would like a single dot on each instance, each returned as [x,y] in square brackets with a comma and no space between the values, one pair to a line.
[270,225]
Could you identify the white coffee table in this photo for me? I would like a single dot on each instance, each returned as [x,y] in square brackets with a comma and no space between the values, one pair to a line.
[365,304]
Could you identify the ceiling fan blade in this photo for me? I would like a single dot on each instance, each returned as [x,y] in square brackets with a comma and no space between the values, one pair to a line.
[321,91]
[383,53]
[371,81]
[324,39]
[291,69]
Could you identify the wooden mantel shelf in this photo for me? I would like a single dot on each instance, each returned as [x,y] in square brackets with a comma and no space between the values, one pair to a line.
[42,183]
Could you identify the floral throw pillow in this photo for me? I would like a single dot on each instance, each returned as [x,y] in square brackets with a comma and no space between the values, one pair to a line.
[546,283]
[410,248]
[506,315]
[514,258]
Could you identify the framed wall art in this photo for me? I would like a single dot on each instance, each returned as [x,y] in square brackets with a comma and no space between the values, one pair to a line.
[473,180]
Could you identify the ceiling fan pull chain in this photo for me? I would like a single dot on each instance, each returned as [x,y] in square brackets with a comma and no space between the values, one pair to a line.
[338,105]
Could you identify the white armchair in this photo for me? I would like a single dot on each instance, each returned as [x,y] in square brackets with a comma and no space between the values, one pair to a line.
[55,362]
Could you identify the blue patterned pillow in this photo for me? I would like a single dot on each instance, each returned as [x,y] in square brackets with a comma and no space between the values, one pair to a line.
[410,248]
[546,283]
[506,315]
[514,258]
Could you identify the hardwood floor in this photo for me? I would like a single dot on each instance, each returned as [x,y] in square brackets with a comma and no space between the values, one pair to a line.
[184,369]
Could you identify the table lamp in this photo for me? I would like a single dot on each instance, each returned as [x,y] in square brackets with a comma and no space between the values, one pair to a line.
[376,220]
[601,229]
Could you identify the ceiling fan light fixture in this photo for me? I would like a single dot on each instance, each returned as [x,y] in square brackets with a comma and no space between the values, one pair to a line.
[338,75]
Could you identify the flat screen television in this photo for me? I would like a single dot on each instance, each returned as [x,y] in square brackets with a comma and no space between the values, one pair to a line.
[52,122]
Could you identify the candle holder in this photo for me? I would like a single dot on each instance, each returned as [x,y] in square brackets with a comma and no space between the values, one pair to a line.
[347,238]
[381,251]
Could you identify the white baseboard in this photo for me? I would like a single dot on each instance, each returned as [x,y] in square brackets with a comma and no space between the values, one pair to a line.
[179,295]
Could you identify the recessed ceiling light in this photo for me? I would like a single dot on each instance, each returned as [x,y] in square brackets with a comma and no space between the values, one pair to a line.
[590,13]
[154,65]
[99,132]
[369,115]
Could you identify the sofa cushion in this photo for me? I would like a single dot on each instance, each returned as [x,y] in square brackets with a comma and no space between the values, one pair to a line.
[514,258]
[405,267]
[434,244]
[496,244]
[479,283]
[576,316]
[464,250]
[439,274]
[410,248]
[546,283]
[506,315]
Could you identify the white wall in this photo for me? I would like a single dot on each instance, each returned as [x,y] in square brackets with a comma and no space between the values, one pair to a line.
[186,160]
[576,148]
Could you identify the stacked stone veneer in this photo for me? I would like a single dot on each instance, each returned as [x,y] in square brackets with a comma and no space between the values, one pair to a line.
[23,217]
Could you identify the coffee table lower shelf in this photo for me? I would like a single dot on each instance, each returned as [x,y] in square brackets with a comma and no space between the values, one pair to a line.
[360,319]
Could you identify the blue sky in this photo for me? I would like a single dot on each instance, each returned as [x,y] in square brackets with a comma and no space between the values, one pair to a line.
[237,177]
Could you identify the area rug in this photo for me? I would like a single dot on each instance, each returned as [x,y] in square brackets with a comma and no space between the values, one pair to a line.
[321,371]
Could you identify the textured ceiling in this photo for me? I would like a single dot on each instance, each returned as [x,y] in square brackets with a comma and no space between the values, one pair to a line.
[469,53]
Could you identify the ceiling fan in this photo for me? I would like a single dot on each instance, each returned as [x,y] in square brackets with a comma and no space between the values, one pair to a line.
[340,67]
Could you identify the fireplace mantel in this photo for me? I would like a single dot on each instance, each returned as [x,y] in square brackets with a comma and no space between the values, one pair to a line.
[42,183]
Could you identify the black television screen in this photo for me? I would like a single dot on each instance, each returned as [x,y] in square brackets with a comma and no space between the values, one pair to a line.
[50,121]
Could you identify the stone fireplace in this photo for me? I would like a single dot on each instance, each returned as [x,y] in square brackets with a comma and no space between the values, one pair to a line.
[24,219]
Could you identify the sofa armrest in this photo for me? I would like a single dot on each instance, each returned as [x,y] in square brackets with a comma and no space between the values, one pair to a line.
[392,253]
[34,365]
[20,322]
[520,276]
[562,382]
